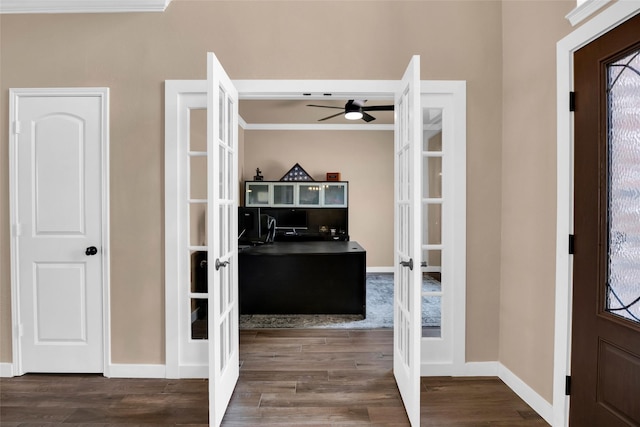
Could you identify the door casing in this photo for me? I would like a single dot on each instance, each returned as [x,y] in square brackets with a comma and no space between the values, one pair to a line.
[611,17]
[15,96]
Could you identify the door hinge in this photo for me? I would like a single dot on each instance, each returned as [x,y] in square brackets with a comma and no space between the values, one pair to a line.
[19,330]
[17,230]
[572,101]
[572,244]
[16,127]
[567,385]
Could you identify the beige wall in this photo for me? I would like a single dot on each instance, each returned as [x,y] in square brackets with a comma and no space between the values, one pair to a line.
[530,32]
[364,158]
[458,40]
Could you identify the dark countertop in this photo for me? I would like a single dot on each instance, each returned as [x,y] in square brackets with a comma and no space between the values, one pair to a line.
[289,248]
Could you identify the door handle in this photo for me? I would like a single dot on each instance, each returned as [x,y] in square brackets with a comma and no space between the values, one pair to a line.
[91,250]
[221,264]
[407,263]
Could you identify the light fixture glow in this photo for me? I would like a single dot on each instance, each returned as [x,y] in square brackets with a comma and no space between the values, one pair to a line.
[353,115]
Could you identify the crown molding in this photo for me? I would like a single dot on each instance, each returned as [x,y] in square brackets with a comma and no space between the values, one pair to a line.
[82,6]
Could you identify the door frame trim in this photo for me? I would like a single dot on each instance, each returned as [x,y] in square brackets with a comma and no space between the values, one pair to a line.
[608,19]
[15,94]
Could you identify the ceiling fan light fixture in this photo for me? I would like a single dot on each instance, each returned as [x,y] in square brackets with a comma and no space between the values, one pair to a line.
[353,115]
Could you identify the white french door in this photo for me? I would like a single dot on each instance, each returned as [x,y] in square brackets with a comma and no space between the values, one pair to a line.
[407,320]
[222,196]
[437,98]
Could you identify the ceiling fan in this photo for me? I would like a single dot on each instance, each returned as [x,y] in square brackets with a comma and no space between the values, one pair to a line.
[355,109]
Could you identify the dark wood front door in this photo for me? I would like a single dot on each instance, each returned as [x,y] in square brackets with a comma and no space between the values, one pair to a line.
[605,361]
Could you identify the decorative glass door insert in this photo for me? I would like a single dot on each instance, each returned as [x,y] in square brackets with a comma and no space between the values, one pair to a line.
[623,137]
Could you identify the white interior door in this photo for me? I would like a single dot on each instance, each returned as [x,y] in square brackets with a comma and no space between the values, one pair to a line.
[58,231]
[407,318]
[222,195]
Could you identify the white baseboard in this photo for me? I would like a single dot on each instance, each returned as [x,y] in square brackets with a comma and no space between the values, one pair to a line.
[6,370]
[380,269]
[526,393]
[121,370]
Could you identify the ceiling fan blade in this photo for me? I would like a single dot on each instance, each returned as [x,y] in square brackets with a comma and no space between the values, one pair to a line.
[378,108]
[330,117]
[324,106]
[367,117]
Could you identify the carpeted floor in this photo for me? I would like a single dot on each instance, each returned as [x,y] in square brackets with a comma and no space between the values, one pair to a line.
[379,310]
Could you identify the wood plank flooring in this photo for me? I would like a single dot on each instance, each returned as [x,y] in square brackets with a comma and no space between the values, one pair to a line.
[311,377]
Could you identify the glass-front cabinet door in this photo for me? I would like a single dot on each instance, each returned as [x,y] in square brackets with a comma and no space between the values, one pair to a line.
[334,194]
[309,194]
[283,194]
[258,194]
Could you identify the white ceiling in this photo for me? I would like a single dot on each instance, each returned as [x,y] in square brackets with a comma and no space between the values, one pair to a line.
[294,111]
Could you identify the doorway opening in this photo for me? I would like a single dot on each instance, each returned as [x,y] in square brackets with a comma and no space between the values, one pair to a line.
[443,107]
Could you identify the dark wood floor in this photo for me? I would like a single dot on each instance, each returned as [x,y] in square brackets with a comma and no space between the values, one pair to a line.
[288,378]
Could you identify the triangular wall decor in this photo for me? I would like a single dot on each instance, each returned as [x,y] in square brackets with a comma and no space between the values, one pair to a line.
[296,173]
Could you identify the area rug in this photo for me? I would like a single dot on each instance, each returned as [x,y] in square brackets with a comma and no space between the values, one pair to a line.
[379,310]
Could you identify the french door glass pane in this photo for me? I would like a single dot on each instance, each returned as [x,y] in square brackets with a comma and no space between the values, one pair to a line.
[198,177]
[229,177]
[197,221]
[432,223]
[224,341]
[222,172]
[199,284]
[623,290]
[221,117]
[199,316]
[432,177]
[431,316]
[229,125]
[432,129]
[198,130]
[433,259]
[432,296]
[224,231]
